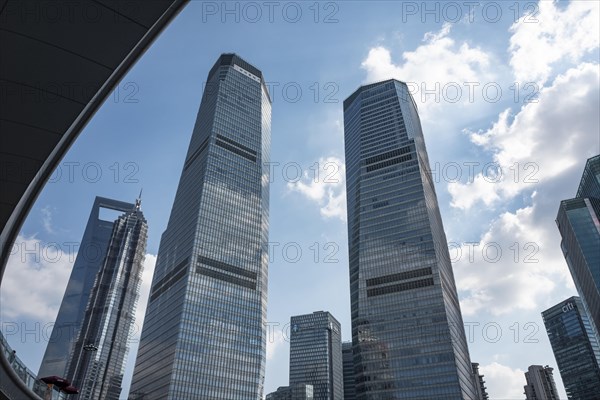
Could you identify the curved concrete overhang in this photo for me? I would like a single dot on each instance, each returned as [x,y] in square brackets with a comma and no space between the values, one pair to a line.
[59,61]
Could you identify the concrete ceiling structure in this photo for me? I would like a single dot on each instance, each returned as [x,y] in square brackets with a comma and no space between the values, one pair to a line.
[59,60]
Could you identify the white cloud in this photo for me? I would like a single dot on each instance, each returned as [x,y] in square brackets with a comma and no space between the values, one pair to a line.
[516,265]
[47,219]
[502,381]
[550,36]
[540,152]
[327,188]
[275,340]
[455,65]
[481,188]
[35,279]
[542,142]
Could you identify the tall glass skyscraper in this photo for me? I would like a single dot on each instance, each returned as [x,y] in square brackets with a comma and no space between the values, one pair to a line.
[575,348]
[578,221]
[91,253]
[97,362]
[204,333]
[407,329]
[316,354]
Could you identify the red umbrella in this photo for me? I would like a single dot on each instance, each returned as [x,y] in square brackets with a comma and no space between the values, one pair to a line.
[56,380]
[70,390]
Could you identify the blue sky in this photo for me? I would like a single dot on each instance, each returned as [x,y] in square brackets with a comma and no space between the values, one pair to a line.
[508,98]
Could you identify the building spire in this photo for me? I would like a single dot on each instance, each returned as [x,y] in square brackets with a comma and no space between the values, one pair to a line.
[138,201]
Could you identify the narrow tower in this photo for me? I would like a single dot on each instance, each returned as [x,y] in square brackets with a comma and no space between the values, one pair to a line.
[97,361]
[316,354]
[407,329]
[204,333]
[90,256]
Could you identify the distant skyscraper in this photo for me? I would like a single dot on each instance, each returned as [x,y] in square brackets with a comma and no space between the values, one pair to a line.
[90,256]
[204,333]
[300,391]
[348,361]
[480,383]
[575,348]
[578,221]
[407,327]
[540,383]
[97,362]
[316,354]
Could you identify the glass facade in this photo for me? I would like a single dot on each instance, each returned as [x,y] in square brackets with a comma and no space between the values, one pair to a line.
[97,362]
[590,179]
[348,362]
[299,391]
[575,348]
[578,221]
[316,354]
[407,329]
[204,333]
[90,256]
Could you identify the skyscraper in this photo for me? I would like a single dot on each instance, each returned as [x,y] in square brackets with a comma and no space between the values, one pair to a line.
[575,348]
[407,329]
[90,256]
[316,354]
[204,333]
[348,363]
[540,383]
[97,361]
[578,221]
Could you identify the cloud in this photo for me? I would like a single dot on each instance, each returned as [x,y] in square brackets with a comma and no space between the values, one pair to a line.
[35,279]
[552,36]
[502,381]
[47,219]
[275,340]
[516,265]
[327,188]
[456,65]
[46,268]
[543,141]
